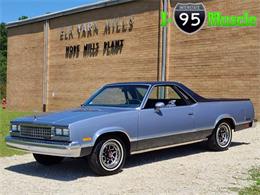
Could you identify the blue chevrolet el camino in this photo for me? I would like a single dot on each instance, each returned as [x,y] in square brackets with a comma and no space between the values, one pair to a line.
[126,118]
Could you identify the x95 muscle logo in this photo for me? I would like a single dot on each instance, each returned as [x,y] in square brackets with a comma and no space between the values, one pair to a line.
[190,18]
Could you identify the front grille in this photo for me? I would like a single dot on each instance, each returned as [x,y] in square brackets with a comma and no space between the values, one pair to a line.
[36,132]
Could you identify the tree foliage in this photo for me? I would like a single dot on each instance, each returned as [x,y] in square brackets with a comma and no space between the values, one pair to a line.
[3,59]
[22,17]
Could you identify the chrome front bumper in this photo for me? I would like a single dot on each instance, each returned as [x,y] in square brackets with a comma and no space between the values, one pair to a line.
[72,149]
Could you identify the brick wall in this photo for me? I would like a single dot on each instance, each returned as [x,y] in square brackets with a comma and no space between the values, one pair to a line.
[24,69]
[216,62]
[219,62]
[71,81]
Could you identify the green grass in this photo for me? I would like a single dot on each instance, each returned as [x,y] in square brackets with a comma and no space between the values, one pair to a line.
[5,117]
[254,189]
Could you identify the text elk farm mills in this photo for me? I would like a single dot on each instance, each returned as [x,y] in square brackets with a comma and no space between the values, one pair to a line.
[91,29]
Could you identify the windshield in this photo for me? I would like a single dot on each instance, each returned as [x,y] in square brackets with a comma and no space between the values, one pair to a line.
[119,96]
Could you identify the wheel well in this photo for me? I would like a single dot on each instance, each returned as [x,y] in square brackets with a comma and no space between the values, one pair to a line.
[229,121]
[118,134]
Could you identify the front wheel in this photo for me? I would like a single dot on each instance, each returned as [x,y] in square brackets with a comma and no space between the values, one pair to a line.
[221,137]
[108,156]
[47,160]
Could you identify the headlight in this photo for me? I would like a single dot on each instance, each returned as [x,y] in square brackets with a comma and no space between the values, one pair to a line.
[14,127]
[66,132]
[58,131]
[62,132]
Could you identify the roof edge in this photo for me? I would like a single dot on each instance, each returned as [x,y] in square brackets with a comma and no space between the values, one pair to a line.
[82,8]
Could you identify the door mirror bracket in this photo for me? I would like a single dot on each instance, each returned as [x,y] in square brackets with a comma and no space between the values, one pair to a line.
[172,103]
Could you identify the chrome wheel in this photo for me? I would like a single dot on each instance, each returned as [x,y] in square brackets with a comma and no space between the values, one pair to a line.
[111,155]
[223,135]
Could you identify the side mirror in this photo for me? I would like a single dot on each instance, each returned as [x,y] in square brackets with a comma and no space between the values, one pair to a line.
[159,105]
[172,103]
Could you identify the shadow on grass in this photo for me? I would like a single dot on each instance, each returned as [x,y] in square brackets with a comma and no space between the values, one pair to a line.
[72,169]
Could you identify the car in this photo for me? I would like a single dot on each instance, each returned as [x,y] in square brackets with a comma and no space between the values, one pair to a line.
[122,119]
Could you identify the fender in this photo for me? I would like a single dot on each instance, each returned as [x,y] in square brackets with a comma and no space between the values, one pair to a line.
[110,130]
[224,116]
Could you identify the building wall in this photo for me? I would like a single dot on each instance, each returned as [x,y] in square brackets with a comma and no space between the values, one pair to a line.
[24,70]
[216,62]
[219,62]
[72,80]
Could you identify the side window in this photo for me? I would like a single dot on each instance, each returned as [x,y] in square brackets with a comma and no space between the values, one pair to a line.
[166,94]
[170,93]
[163,92]
[186,97]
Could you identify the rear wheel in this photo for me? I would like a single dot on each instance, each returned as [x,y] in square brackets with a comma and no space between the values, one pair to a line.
[47,160]
[221,137]
[108,156]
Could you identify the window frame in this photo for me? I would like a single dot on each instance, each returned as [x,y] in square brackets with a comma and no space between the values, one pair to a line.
[86,103]
[174,87]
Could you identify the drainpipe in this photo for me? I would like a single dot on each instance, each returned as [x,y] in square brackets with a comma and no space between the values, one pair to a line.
[164,44]
[45,66]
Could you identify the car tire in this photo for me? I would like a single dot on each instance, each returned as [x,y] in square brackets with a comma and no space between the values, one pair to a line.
[47,160]
[108,156]
[221,137]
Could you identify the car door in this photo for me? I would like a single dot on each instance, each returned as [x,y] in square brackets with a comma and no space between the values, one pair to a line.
[167,125]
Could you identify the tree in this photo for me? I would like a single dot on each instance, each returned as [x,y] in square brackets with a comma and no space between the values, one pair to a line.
[3,59]
[22,17]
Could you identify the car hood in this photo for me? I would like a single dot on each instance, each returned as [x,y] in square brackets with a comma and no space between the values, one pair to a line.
[67,117]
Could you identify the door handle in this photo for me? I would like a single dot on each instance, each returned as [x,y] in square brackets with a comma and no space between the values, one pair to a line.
[191,113]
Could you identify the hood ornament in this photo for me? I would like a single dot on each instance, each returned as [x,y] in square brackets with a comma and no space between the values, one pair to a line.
[35,117]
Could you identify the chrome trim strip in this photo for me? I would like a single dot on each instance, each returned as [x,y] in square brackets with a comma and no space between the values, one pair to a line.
[168,146]
[33,125]
[145,97]
[66,150]
[244,122]
[38,124]
[171,134]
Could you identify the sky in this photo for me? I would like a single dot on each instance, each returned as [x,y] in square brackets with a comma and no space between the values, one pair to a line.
[11,10]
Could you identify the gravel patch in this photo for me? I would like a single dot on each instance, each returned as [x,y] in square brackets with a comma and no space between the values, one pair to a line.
[185,170]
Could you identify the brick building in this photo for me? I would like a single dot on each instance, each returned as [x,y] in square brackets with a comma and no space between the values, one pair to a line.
[57,60]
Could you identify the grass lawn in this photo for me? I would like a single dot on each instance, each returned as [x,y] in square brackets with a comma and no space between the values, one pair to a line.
[5,117]
[254,189]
